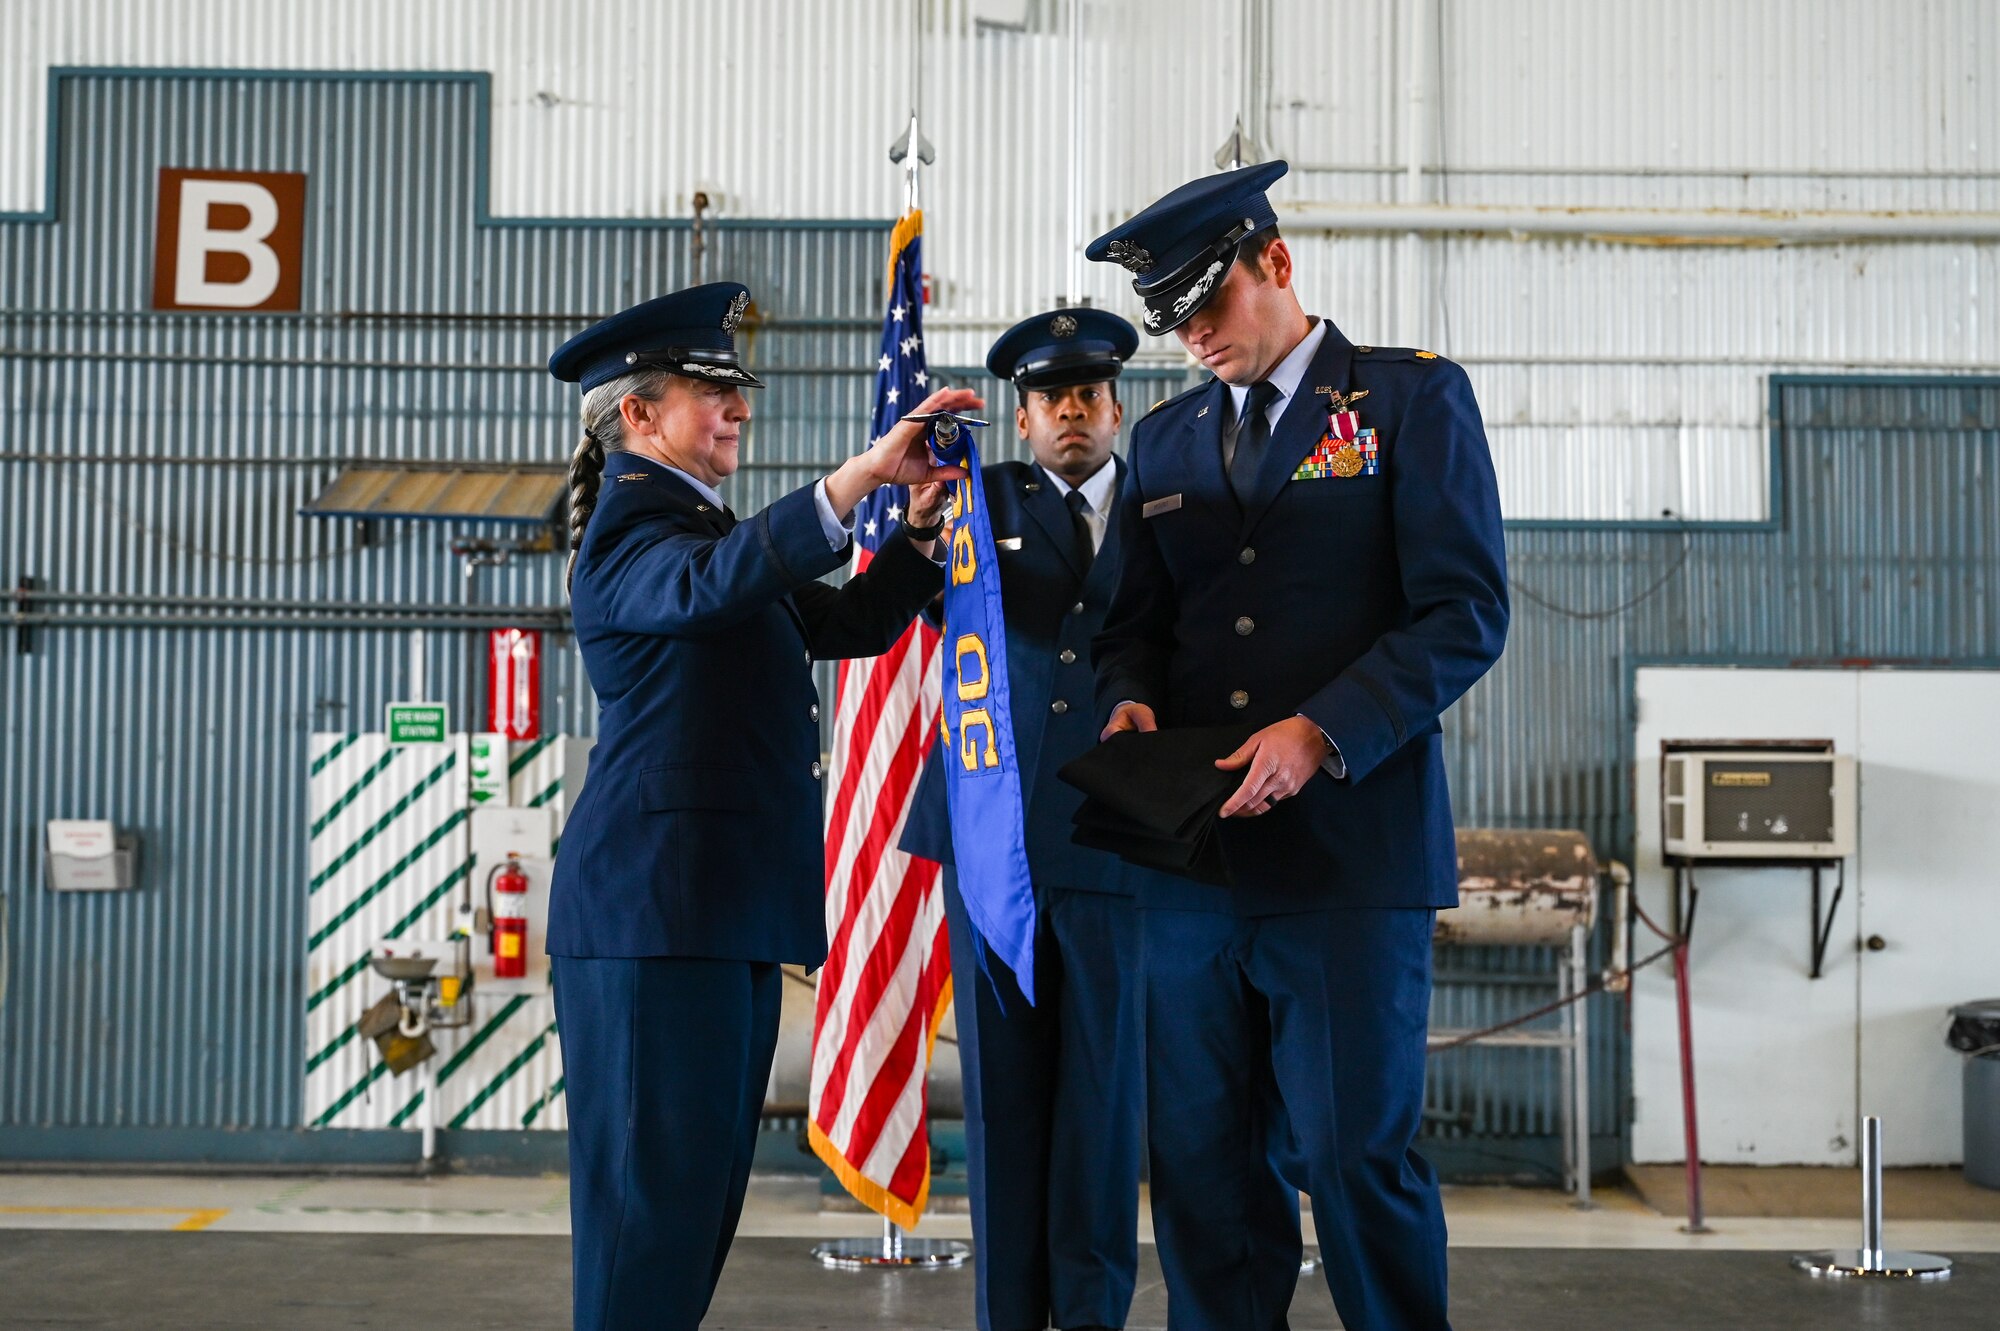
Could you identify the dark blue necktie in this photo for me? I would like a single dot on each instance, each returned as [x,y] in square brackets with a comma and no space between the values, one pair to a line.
[1080,530]
[1253,437]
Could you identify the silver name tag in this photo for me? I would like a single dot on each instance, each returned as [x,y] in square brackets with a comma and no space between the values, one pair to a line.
[1007,542]
[1165,504]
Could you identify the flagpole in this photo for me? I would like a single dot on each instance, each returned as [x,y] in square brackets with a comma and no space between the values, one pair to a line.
[895,1250]
[1075,152]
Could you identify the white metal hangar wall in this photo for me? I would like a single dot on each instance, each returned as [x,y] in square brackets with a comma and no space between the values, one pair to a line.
[1621,375]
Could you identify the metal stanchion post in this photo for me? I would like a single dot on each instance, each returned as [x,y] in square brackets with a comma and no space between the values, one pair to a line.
[1871,1258]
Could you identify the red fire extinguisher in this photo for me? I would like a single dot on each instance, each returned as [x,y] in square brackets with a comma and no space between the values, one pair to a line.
[507,903]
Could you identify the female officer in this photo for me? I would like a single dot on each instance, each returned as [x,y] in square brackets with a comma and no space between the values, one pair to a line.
[691,865]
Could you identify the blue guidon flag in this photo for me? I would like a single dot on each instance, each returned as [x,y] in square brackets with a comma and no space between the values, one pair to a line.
[983,772]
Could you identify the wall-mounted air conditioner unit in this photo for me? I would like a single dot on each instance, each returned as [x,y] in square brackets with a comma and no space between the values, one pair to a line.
[1744,802]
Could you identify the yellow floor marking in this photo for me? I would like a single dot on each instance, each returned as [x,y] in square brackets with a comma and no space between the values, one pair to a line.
[197,1218]
[200,1220]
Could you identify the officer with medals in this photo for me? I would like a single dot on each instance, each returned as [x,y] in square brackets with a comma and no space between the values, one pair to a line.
[1054,1101]
[1313,547]
[691,863]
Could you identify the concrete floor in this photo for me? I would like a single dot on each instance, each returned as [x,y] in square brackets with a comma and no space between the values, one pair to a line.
[1803,1190]
[309,1253]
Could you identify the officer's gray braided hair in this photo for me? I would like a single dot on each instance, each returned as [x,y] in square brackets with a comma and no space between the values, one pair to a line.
[603,430]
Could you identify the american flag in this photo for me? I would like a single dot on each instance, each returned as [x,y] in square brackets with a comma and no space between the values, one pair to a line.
[887,980]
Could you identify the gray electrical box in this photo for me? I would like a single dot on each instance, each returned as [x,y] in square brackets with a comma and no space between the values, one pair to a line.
[90,855]
[1747,803]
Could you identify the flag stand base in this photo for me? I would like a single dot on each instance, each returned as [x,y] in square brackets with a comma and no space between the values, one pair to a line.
[1872,1261]
[894,1249]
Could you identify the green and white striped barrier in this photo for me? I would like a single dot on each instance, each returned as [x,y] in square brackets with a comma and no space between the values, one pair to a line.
[391,858]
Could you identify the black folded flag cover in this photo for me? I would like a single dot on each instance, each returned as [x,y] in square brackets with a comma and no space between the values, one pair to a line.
[1151,797]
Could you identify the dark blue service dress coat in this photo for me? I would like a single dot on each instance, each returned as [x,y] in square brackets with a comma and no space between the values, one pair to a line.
[691,864]
[1054,1094]
[1294,1001]
[698,832]
[1367,603]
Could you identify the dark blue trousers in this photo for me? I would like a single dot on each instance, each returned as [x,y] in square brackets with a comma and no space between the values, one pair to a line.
[1315,1020]
[665,1062]
[1054,1114]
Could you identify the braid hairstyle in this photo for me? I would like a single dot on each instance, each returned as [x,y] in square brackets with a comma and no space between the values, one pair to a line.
[586,474]
[603,430]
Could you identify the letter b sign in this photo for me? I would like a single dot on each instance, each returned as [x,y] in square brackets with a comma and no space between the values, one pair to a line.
[229,240]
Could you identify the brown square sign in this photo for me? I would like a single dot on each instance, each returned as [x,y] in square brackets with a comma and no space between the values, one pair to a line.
[229,240]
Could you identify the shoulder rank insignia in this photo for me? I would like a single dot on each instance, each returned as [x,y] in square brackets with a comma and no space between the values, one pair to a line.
[633,476]
[1364,350]
[1427,355]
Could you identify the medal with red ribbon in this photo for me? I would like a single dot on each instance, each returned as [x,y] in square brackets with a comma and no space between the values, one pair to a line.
[1345,449]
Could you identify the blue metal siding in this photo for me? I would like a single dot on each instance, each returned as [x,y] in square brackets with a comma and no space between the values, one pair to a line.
[168,454]
[178,1006]
[1885,553]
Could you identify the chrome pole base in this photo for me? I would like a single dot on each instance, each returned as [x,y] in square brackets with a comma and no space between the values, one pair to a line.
[1881,1264]
[904,1254]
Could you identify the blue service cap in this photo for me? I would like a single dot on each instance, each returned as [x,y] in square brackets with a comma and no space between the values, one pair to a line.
[691,333]
[1063,347]
[1180,247]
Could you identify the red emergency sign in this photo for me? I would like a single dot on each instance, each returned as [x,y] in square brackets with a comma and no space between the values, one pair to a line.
[514,683]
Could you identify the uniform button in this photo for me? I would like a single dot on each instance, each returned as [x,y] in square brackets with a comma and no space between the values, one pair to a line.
[1059,707]
[1246,556]
[1245,626]
[815,769]
[815,711]
[1068,657]
[1076,609]
[1239,700]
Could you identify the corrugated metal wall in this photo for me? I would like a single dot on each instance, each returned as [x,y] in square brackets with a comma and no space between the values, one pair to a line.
[167,454]
[1622,380]
[1885,552]
[163,454]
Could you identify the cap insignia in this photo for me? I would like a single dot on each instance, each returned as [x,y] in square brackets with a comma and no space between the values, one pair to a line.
[1130,256]
[1062,326]
[1195,294]
[729,372]
[734,314]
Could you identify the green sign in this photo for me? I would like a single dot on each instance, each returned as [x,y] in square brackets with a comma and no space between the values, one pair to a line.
[486,768]
[417,723]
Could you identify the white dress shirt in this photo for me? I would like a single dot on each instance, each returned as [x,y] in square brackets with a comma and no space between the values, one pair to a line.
[1285,377]
[1096,491]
